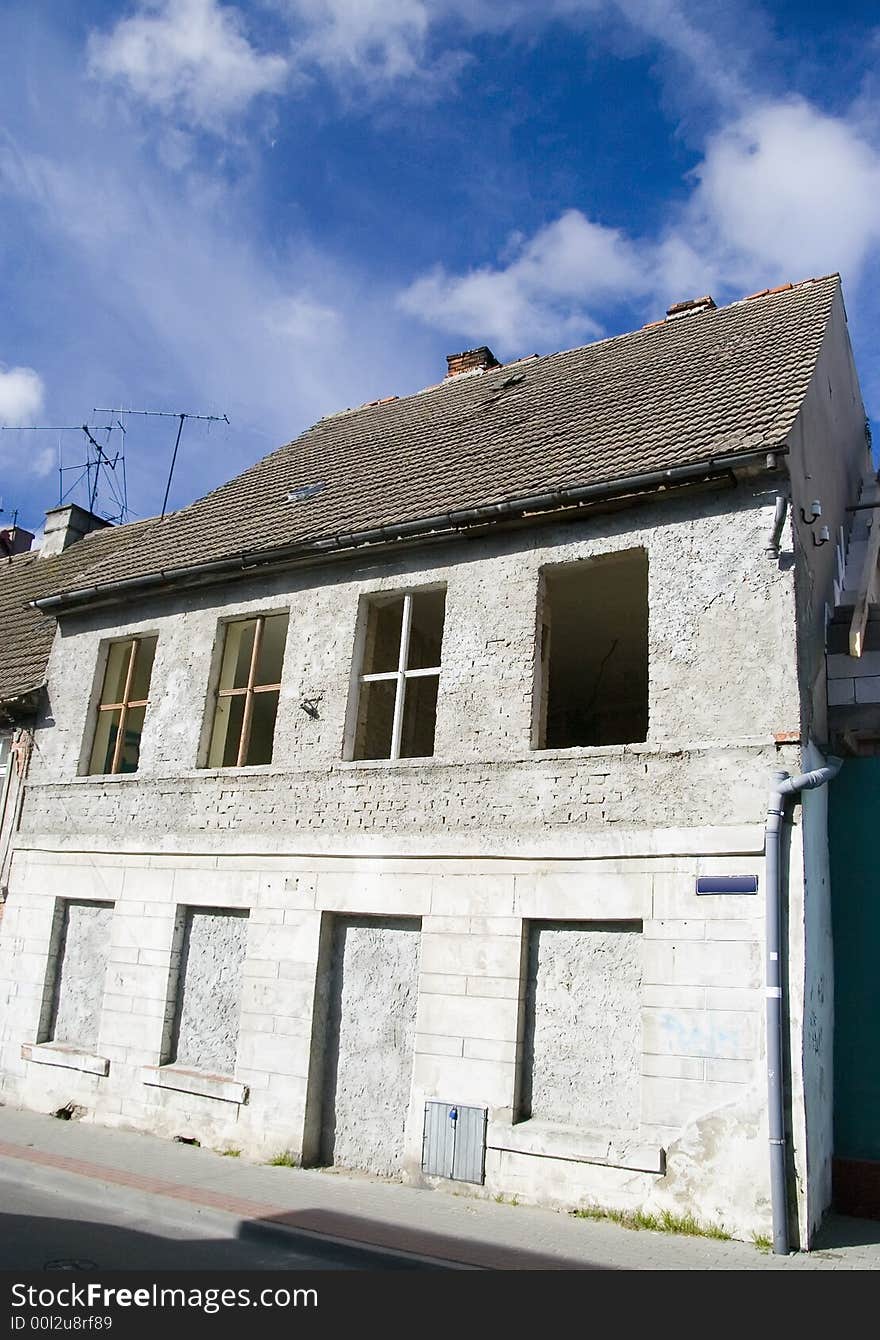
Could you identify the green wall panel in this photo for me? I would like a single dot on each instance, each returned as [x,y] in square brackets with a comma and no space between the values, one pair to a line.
[854,831]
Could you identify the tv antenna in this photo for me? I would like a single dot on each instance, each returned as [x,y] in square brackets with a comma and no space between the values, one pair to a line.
[98,465]
[167,414]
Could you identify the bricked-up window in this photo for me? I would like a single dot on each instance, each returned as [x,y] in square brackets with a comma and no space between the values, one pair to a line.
[247,695]
[400,676]
[210,947]
[592,682]
[74,991]
[123,706]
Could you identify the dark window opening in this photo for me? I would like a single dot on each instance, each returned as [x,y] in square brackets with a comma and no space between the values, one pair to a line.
[593,649]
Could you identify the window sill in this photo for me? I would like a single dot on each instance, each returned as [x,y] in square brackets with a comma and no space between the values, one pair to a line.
[349,764]
[247,769]
[62,1054]
[546,1139]
[222,1087]
[594,750]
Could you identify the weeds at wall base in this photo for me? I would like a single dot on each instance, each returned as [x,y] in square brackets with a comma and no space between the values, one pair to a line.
[665,1222]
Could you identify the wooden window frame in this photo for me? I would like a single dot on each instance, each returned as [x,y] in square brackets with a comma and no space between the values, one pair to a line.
[400,675]
[123,707]
[247,691]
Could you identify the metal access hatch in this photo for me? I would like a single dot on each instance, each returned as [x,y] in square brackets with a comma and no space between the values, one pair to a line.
[454,1141]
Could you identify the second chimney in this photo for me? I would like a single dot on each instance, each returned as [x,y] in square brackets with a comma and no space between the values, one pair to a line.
[471,360]
[15,540]
[690,308]
[65,525]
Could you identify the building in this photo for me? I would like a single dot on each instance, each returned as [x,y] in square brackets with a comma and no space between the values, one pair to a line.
[401,803]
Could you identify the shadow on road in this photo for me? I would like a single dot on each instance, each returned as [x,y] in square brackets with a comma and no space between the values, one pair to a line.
[306,1240]
[436,1250]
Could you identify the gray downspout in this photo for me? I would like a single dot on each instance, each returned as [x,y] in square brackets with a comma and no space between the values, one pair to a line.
[777,815]
[779,512]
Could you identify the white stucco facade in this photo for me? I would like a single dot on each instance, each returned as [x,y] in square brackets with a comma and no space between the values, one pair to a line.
[458,857]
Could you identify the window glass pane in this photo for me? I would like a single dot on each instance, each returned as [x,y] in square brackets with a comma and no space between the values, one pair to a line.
[419,717]
[143,669]
[375,719]
[237,651]
[262,727]
[131,746]
[426,630]
[382,647]
[105,741]
[116,673]
[271,657]
[4,752]
[226,734]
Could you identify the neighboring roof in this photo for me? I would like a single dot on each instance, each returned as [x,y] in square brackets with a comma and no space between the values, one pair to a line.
[25,633]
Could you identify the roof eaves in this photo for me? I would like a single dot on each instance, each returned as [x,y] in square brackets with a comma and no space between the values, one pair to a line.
[454,520]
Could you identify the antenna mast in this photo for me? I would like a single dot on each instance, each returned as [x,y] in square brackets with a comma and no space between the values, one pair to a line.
[97,460]
[167,414]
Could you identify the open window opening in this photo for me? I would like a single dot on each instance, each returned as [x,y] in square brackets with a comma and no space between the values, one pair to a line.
[592,686]
[400,676]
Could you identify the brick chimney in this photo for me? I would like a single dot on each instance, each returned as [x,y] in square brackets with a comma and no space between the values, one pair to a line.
[471,360]
[66,525]
[691,307]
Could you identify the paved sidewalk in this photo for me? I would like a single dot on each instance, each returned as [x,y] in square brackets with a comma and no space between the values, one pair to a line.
[238,1198]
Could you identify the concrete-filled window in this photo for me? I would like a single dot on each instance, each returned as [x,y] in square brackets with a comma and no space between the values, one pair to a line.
[206,983]
[122,706]
[582,1034]
[592,680]
[80,947]
[400,675]
[363,1042]
[243,730]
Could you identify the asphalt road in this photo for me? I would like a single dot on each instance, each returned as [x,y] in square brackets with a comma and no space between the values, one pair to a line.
[45,1229]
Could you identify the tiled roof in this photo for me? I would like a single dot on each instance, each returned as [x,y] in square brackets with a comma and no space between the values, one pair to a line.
[723,381]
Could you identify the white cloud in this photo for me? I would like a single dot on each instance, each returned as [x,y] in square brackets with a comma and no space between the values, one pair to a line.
[385,41]
[21,396]
[547,291]
[783,192]
[788,191]
[300,318]
[382,38]
[189,57]
[667,22]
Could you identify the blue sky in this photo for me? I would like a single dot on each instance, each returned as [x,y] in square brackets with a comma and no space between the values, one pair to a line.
[276,209]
